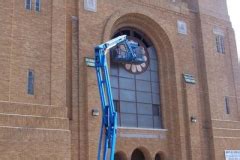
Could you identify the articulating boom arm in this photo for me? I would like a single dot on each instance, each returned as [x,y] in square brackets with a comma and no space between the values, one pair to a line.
[109,115]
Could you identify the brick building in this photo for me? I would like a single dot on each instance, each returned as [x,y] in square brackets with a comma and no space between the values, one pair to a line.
[47,92]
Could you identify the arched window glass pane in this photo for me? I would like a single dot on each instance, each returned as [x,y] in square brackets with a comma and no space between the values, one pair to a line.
[137,95]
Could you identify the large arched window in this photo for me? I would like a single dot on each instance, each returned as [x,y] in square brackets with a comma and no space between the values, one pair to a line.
[136,91]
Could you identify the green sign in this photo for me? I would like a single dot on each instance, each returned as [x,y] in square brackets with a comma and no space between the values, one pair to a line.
[90,62]
[188,78]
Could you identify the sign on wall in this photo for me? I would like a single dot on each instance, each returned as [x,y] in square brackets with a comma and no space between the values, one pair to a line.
[90,5]
[90,62]
[182,27]
[232,154]
[188,78]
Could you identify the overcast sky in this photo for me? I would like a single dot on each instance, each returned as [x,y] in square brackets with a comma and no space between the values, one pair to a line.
[234,12]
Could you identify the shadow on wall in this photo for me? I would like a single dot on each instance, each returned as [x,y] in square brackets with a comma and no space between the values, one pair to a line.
[120,156]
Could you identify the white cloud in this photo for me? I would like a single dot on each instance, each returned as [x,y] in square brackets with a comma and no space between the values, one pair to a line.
[234,13]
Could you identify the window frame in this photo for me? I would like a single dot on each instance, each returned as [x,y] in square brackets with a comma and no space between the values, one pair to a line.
[30,82]
[220,44]
[27,4]
[39,7]
[226,105]
[117,76]
[219,37]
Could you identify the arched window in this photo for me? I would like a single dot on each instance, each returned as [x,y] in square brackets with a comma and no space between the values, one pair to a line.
[136,91]
[137,155]
[159,156]
[120,156]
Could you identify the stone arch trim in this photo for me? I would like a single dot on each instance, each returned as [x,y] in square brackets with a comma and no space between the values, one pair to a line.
[144,21]
[111,22]
[121,13]
[153,27]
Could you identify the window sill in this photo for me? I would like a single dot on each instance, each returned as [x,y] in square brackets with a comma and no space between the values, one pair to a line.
[146,129]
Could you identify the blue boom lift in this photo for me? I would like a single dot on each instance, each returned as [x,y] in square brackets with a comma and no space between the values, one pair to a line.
[121,51]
